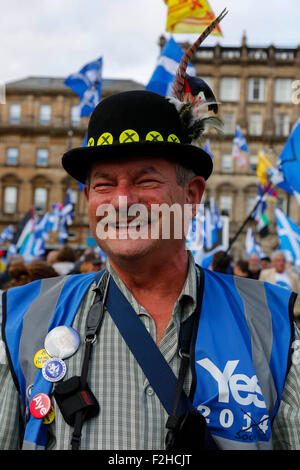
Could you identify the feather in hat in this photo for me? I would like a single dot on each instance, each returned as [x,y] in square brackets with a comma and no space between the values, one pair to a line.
[188,94]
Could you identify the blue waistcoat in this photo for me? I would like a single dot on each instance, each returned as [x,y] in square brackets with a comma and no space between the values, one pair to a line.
[240,350]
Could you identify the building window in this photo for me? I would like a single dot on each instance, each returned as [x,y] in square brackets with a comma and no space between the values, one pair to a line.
[257,54]
[205,53]
[226,163]
[229,122]
[282,124]
[40,199]
[14,113]
[284,55]
[250,204]
[45,114]
[75,115]
[283,90]
[255,124]
[10,199]
[231,53]
[253,160]
[256,89]
[230,89]
[225,204]
[12,156]
[42,157]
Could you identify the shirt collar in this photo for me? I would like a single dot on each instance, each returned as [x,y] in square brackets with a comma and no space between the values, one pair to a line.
[186,302]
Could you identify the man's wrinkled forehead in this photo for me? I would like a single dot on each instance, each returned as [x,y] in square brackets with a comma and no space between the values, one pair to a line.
[138,167]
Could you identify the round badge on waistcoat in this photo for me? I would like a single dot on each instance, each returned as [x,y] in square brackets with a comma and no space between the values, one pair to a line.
[62,341]
[54,369]
[49,418]
[40,358]
[40,405]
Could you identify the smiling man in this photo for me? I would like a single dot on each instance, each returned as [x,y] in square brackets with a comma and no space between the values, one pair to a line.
[161,354]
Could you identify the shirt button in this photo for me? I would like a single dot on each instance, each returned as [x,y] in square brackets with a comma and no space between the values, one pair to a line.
[150,391]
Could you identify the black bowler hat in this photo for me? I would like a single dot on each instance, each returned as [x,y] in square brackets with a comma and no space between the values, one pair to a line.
[137,124]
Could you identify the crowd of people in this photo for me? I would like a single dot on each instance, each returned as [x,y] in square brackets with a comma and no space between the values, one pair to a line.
[275,269]
[16,272]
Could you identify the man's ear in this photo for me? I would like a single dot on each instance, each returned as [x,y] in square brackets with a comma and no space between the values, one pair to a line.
[195,191]
[86,192]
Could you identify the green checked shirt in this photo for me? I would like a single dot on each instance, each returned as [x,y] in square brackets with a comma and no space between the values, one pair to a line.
[131,416]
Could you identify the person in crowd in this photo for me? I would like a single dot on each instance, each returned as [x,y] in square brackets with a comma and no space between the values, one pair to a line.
[281,276]
[21,273]
[221,262]
[241,268]
[51,257]
[91,263]
[278,273]
[65,260]
[5,275]
[265,262]
[254,265]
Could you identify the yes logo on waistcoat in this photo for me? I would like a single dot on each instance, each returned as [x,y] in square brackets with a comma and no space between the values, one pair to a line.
[232,403]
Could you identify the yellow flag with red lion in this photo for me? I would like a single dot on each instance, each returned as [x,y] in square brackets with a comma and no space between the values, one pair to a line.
[190,16]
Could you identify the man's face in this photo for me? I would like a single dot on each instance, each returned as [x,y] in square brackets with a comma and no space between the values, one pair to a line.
[279,263]
[122,186]
[254,263]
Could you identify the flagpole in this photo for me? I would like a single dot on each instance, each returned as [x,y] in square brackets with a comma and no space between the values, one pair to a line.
[249,217]
[288,204]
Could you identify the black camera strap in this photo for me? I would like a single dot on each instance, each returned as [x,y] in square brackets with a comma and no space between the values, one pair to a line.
[75,399]
[93,324]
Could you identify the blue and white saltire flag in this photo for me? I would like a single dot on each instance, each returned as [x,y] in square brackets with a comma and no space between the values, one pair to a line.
[26,248]
[63,233]
[66,218]
[277,177]
[252,246]
[195,236]
[240,147]
[213,235]
[53,219]
[67,211]
[7,234]
[207,230]
[41,235]
[217,221]
[288,235]
[289,159]
[262,204]
[212,225]
[166,67]
[87,84]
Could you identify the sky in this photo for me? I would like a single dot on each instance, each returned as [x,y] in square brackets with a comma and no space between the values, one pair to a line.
[57,37]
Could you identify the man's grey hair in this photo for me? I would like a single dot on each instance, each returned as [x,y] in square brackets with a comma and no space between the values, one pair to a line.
[183,175]
[278,253]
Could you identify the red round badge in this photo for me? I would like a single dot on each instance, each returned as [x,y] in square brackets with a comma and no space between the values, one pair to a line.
[40,405]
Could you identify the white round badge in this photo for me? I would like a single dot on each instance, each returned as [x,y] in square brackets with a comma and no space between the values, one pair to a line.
[62,341]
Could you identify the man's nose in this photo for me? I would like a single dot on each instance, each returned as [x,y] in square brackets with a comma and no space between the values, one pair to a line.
[124,196]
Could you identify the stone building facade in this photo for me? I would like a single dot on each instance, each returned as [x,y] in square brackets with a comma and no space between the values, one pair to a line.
[255,88]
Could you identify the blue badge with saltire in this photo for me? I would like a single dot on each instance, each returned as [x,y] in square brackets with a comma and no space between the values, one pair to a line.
[54,369]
